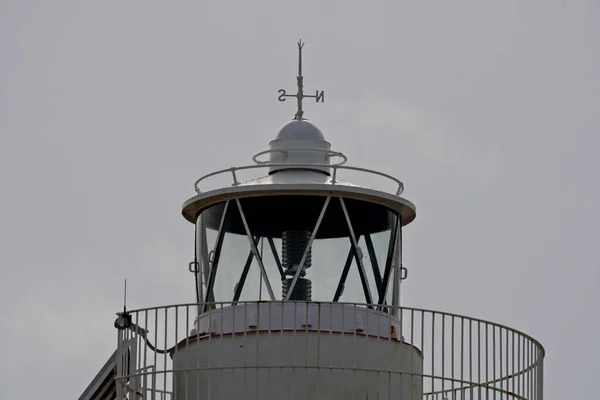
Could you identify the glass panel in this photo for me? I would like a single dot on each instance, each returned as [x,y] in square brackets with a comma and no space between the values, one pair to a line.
[255,286]
[329,258]
[289,221]
[271,268]
[234,254]
[205,242]
[380,244]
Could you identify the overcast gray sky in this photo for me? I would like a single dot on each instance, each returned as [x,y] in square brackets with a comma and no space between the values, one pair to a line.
[110,110]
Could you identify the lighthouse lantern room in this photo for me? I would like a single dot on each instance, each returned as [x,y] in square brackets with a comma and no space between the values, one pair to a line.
[297,279]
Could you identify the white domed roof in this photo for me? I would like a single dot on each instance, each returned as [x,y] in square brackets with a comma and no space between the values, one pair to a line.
[300,129]
[300,142]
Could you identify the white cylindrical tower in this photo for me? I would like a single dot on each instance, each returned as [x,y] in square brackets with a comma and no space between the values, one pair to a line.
[290,240]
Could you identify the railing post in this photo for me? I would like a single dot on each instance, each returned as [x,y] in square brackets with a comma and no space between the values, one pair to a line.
[235,181]
[119,379]
[540,379]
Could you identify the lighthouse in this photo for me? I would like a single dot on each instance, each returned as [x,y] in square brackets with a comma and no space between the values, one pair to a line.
[298,276]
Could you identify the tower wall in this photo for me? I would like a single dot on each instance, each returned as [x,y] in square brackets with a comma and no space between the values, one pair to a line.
[297,365]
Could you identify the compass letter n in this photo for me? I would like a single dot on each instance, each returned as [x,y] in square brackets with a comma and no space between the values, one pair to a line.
[320,96]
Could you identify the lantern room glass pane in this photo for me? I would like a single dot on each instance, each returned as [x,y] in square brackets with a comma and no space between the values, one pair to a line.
[285,223]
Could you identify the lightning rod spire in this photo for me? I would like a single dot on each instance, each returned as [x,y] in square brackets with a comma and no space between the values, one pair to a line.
[318,96]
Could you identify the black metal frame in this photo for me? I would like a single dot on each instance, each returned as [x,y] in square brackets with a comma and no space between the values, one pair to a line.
[382,282]
[210,295]
[240,283]
[389,260]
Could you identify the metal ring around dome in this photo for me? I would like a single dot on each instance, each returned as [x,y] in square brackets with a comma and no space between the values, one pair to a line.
[329,153]
[334,181]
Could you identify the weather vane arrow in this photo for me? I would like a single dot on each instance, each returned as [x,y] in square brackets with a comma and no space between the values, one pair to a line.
[319,96]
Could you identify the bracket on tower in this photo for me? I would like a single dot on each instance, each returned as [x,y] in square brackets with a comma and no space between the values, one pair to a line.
[318,96]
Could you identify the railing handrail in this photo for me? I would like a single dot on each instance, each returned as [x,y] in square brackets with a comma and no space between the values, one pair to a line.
[483,385]
[328,154]
[448,352]
[334,181]
[400,309]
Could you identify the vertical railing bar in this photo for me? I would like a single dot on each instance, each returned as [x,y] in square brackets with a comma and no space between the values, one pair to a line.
[462,351]
[471,357]
[526,365]
[235,181]
[507,374]
[221,341]
[176,345]
[494,359]
[164,356]
[479,356]
[330,308]
[529,375]
[306,319]
[334,175]
[532,350]
[526,344]
[536,376]
[155,354]
[245,341]
[423,338]
[343,359]
[519,365]
[270,329]
[319,329]
[258,350]
[443,352]
[501,358]
[146,351]
[487,355]
[513,372]
[187,352]
[536,355]
[212,308]
[432,351]
[387,367]
[412,343]
[452,354]
[400,316]
[293,344]
[355,367]
[119,379]
[139,352]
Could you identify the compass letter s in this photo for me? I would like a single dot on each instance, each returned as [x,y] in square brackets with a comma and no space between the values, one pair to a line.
[281,95]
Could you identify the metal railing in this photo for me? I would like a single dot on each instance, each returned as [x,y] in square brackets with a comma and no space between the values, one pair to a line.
[334,167]
[446,356]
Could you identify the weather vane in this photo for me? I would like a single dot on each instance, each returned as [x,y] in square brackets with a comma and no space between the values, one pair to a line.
[318,96]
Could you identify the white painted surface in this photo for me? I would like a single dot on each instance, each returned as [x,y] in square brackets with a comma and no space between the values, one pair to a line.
[292,316]
[297,366]
[299,141]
